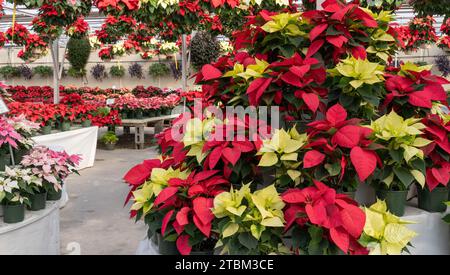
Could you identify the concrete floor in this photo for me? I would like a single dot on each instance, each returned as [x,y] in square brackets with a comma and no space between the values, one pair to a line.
[95,217]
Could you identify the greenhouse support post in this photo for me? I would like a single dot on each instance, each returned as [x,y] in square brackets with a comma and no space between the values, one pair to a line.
[184,63]
[55,58]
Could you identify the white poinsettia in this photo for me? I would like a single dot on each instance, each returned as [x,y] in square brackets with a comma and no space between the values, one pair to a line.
[166,3]
[168,48]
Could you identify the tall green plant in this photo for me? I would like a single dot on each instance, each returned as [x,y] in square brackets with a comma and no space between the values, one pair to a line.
[78,52]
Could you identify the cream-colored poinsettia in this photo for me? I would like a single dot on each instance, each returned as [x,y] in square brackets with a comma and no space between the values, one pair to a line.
[362,71]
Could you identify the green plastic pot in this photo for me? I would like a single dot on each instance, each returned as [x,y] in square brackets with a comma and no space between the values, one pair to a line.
[152,113]
[19,154]
[432,201]
[54,195]
[46,130]
[86,123]
[158,113]
[14,213]
[37,201]
[395,200]
[5,160]
[167,112]
[166,247]
[139,114]
[65,126]
[124,115]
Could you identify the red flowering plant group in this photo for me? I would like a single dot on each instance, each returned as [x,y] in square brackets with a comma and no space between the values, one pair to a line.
[46,31]
[17,34]
[79,29]
[323,222]
[115,28]
[337,148]
[117,7]
[422,31]
[444,40]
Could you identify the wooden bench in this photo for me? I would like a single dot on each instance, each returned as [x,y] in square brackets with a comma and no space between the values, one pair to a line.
[140,124]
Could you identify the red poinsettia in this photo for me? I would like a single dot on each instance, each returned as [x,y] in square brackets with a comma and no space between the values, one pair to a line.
[190,201]
[438,170]
[336,132]
[340,217]
[334,25]
[421,88]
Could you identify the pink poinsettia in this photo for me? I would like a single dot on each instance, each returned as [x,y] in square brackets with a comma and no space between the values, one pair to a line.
[8,135]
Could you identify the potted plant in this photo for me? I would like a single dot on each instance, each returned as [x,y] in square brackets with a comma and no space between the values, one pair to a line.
[12,199]
[9,138]
[402,157]
[110,140]
[384,233]
[117,71]
[432,196]
[26,129]
[324,233]
[422,31]
[250,223]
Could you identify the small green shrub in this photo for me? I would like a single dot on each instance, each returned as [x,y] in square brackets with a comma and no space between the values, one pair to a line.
[9,71]
[158,70]
[76,73]
[109,138]
[117,71]
[43,71]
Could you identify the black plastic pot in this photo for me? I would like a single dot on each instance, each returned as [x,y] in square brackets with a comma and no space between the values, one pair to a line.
[432,201]
[395,200]
[139,114]
[54,195]
[14,213]
[86,123]
[37,201]
[166,247]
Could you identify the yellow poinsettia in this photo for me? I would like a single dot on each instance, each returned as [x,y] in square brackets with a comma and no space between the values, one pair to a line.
[143,197]
[409,66]
[256,70]
[382,50]
[281,147]
[286,23]
[385,233]
[362,71]
[382,16]
[247,212]
[196,132]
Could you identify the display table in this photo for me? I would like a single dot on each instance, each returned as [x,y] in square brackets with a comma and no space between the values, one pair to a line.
[38,234]
[140,125]
[82,141]
[147,247]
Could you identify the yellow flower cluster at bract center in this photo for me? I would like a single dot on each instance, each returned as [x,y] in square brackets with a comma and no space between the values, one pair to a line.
[159,179]
[388,233]
[361,70]
[263,208]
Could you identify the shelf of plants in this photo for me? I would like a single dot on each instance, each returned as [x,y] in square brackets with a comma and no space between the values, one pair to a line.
[349,117]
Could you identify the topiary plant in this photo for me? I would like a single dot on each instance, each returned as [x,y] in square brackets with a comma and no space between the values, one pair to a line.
[158,70]
[78,52]
[43,71]
[99,72]
[117,71]
[204,49]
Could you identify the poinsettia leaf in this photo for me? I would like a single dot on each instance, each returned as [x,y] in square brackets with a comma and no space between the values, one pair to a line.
[165,194]
[210,72]
[313,158]
[311,100]
[202,209]
[316,31]
[341,238]
[293,196]
[232,154]
[182,216]
[364,161]
[347,136]
[183,245]
[165,221]
[406,178]
[353,218]
[336,114]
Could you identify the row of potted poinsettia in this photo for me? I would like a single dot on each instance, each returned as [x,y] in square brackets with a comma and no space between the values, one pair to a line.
[39,178]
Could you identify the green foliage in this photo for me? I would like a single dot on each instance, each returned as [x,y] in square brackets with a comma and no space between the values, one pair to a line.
[117,71]
[158,70]
[9,72]
[379,5]
[431,7]
[76,73]
[78,52]
[43,71]
[204,49]
[109,138]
